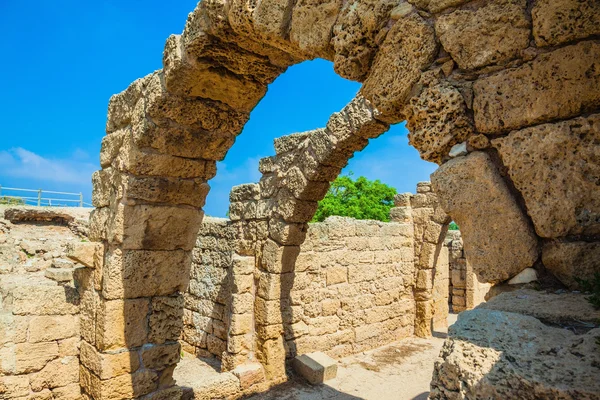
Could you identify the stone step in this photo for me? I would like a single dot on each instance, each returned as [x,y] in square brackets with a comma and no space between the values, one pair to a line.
[202,379]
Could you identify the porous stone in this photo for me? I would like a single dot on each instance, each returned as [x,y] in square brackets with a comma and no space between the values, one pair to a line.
[409,47]
[312,25]
[471,191]
[59,274]
[495,354]
[82,252]
[494,33]
[44,300]
[555,85]
[48,328]
[437,120]
[357,32]
[570,261]
[556,22]
[436,6]
[553,166]
[36,214]
[57,373]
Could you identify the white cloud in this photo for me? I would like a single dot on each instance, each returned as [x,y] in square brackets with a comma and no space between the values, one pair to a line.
[24,164]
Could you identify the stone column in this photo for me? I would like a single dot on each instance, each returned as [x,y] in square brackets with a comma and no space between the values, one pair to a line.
[430,224]
[148,195]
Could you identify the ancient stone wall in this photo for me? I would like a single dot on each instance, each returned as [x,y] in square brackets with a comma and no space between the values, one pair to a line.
[503,94]
[40,303]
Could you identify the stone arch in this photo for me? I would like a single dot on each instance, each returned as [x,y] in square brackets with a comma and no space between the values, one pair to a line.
[166,131]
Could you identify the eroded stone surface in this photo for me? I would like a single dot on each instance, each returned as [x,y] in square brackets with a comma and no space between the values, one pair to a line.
[408,48]
[473,193]
[569,261]
[491,34]
[496,354]
[556,22]
[560,84]
[556,167]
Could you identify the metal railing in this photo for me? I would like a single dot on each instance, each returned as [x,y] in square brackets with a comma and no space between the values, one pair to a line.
[40,200]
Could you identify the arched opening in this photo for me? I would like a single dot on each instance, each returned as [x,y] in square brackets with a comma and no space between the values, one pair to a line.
[167,131]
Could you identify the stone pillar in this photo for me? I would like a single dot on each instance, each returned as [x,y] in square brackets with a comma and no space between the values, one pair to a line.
[430,224]
[148,196]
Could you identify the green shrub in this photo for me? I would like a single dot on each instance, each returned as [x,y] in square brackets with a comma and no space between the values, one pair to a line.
[453,226]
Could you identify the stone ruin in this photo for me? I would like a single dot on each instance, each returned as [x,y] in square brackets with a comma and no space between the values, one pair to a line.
[502,94]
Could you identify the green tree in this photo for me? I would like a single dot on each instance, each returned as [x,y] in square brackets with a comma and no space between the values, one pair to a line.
[453,226]
[360,199]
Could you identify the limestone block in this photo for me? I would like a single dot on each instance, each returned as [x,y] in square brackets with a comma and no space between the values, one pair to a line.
[154,227]
[120,106]
[491,34]
[69,392]
[121,387]
[44,300]
[13,328]
[294,210]
[165,319]
[494,348]
[159,357]
[144,273]
[82,252]
[278,259]
[274,286]
[337,274]
[249,374]
[287,233]
[316,367]
[121,323]
[48,328]
[570,260]
[312,25]
[57,373]
[59,274]
[472,191]
[166,190]
[556,22]
[409,47]
[24,358]
[435,6]
[12,387]
[211,116]
[109,149]
[69,347]
[145,163]
[552,165]
[190,77]
[555,85]
[241,324]
[356,33]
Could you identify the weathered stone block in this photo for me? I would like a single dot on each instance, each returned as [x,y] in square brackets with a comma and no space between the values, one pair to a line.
[278,259]
[437,119]
[556,22]
[165,319]
[57,373]
[24,358]
[121,387]
[121,323]
[472,191]
[496,32]
[409,47]
[12,387]
[552,166]
[13,328]
[312,25]
[556,85]
[108,365]
[48,328]
[159,357]
[316,367]
[145,273]
[44,300]
[569,261]
[155,227]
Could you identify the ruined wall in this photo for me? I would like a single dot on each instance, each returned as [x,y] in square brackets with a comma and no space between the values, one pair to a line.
[39,304]
[465,289]
[353,287]
[205,316]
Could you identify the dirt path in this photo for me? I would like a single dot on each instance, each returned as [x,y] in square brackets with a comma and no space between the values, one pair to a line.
[400,371]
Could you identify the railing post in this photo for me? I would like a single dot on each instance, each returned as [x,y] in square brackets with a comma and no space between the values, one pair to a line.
[80,199]
[39,197]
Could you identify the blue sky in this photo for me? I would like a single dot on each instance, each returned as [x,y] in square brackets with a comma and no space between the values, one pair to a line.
[63,60]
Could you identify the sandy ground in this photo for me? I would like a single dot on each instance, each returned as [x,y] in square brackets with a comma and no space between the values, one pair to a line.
[400,371]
